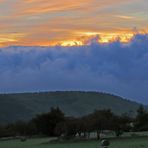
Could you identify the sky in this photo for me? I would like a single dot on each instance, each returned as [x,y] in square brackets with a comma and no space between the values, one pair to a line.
[88,45]
[66,22]
[115,68]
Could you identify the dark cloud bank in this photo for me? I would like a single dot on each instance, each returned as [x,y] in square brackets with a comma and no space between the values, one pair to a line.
[115,68]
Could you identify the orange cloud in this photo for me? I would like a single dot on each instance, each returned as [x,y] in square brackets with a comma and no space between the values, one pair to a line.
[10,38]
[124,17]
[44,22]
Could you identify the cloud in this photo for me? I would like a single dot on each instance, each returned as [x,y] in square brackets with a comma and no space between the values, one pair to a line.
[42,21]
[114,67]
[124,17]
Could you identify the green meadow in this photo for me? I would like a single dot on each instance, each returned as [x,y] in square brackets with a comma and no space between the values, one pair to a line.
[124,142]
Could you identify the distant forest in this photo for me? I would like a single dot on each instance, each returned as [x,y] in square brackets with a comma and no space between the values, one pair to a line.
[55,123]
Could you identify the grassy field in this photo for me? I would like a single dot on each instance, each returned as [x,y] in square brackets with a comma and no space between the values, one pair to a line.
[135,142]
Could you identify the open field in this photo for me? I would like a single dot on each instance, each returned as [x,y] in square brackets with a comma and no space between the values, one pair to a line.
[133,142]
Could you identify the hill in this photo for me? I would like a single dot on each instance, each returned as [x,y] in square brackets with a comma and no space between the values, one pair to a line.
[24,106]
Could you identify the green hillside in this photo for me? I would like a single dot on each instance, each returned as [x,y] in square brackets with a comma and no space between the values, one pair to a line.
[26,105]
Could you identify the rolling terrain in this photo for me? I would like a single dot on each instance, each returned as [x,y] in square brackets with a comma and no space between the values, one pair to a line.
[24,106]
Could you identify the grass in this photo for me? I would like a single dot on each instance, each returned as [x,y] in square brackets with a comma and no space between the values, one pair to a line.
[133,142]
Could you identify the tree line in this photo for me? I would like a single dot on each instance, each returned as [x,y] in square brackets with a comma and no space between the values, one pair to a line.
[55,123]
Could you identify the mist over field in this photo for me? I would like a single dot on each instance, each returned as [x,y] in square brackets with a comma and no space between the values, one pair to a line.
[113,67]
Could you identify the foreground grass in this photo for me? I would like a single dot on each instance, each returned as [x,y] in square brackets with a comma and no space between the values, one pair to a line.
[137,142]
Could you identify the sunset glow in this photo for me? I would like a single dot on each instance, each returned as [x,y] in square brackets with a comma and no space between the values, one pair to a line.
[103,38]
[16,39]
[67,23]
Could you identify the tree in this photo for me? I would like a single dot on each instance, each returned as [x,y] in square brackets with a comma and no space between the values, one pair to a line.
[20,128]
[46,123]
[102,120]
[56,116]
[141,123]
[3,132]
